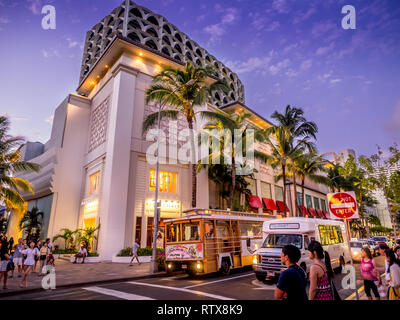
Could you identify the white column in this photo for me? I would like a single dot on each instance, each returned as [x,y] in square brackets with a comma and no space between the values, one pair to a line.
[116,171]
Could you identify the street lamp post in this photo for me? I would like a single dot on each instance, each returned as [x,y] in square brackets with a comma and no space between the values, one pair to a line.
[153,263]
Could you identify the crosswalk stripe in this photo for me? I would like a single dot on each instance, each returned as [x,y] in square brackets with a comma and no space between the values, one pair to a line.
[222,280]
[210,295]
[118,294]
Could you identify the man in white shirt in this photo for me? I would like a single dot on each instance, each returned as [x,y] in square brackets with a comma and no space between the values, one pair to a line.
[82,253]
[135,248]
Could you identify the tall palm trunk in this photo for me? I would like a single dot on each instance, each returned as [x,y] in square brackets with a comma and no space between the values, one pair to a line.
[295,213]
[193,164]
[232,191]
[284,188]
[302,193]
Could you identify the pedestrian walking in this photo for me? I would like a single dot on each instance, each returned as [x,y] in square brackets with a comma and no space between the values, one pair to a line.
[18,256]
[4,260]
[37,257]
[44,252]
[369,274]
[11,243]
[292,282]
[394,275]
[29,262]
[320,273]
[135,248]
[382,251]
[397,252]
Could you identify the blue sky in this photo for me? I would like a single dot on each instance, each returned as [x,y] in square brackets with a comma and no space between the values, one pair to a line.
[284,51]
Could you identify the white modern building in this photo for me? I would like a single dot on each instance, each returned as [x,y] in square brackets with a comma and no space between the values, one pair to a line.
[94,169]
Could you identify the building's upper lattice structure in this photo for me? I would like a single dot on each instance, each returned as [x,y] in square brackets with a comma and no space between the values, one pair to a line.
[153,31]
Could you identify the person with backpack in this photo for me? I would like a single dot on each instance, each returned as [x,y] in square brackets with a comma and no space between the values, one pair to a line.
[321,273]
[292,282]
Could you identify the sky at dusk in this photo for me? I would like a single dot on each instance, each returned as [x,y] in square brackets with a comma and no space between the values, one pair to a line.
[284,52]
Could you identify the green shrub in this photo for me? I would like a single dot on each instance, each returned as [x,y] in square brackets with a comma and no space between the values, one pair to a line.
[64,251]
[93,254]
[142,252]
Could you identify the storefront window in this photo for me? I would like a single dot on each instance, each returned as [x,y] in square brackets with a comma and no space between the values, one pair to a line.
[94,180]
[191,231]
[316,203]
[167,181]
[323,205]
[252,186]
[309,201]
[173,233]
[299,199]
[266,190]
[278,193]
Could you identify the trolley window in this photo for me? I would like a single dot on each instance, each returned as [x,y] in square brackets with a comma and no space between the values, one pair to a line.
[173,232]
[191,231]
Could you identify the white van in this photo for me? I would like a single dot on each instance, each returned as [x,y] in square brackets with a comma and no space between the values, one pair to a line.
[299,232]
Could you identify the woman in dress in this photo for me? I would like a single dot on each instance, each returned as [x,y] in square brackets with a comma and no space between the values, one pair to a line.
[29,263]
[320,273]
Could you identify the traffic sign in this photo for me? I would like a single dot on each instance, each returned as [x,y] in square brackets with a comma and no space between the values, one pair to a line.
[343,205]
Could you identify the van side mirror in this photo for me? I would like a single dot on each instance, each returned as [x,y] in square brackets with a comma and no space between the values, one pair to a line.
[248,242]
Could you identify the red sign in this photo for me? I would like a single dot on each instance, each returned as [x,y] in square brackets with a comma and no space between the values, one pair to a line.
[343,205]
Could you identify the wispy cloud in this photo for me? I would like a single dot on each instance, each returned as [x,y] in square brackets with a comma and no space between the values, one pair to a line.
[275,69]
[35,6]
[4,20]
[273,26]
[324,50]
[13,117]
[335,81]
[306,64]
[250,65]
[49,119]
[281,6]
[72,43]
[304,16]
[228,17]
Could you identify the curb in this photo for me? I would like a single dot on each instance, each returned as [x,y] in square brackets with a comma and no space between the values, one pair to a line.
[81,284]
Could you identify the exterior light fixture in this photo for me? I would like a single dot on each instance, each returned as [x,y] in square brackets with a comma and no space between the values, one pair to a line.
[198,265]
[141,53]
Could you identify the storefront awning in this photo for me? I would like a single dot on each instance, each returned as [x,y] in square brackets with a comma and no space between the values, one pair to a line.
[325,214]
[303,211]
[281,206]
[269,204]
[320,213]
[313,212]
[254,201]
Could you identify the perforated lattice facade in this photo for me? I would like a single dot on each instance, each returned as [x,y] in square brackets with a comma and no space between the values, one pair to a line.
[155,32]
[98,125]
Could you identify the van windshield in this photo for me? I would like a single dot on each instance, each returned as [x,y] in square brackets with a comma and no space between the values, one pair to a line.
[281,240]
[379,239]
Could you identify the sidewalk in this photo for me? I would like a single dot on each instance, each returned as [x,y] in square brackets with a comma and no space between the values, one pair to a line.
[68,274]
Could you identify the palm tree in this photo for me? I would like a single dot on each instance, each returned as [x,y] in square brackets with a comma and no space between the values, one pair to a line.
[67,236]
[230,121]
[283,150]
[32,223]
[87,235]
[300,128]
[309,166]
[171,87]
[11,164]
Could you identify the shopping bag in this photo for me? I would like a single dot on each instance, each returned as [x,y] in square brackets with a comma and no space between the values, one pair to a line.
[382,291]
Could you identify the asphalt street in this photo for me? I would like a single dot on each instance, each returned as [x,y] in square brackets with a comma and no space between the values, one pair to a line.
[239,285]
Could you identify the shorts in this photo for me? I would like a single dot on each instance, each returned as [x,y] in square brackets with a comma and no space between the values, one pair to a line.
[17,261]
[3,265]
[43,257]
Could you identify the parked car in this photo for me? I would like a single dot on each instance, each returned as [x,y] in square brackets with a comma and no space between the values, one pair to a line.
[355,248]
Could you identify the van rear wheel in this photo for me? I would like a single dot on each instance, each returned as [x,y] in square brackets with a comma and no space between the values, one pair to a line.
[225,268]
[261,277]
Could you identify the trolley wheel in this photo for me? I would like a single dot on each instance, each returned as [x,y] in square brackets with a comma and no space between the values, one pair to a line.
[225,268]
